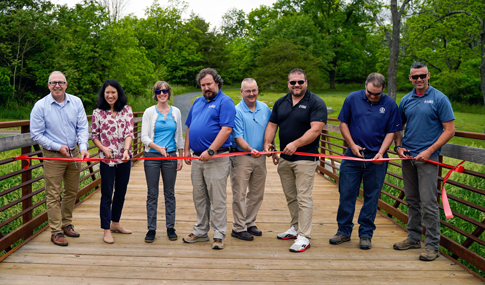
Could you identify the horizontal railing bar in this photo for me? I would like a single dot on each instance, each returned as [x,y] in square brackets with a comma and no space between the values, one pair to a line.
[13,203]
[17,187]
[18,215]
[462,232]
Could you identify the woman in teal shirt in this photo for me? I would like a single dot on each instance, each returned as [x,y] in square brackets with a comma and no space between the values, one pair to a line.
[161,133]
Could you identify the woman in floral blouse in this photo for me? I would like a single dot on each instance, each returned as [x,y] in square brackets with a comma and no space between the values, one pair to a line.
[161,133]
[112,133]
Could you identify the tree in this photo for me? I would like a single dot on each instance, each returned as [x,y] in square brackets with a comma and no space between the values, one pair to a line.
[234,24]
[278,58]
[115,8]
[166,37]
[344,25]
[25,30]
[393,37]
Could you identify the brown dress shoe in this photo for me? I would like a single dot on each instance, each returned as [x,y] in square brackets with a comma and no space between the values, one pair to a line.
[255,231]
[70,232]
[59,239]
[244,235]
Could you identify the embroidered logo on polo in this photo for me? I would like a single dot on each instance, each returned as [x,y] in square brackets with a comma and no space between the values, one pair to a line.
[302,106]
[382,110]
[212,106]
[428,101]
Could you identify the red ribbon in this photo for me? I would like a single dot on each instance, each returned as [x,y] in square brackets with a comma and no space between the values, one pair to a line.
[444,197]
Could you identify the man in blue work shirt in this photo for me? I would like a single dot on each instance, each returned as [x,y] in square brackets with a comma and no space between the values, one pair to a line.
[248,172]
[209,126]
[429,120]
[368,120]
[58,123]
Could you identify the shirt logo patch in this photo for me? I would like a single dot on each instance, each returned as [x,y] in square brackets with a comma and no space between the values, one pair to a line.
[382,110]
[302,106]
[428,101]
[264,117]
[212,106]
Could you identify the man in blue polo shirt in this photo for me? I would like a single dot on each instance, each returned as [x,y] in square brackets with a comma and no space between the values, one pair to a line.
[429,121]
[248,172]
[368,120]
[300,116]
[209,123]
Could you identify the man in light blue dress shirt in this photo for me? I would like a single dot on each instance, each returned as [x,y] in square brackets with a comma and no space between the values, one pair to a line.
[58,123]
[248,172]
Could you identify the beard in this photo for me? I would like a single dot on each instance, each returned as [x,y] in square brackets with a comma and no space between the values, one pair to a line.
[209,95]
[300,93]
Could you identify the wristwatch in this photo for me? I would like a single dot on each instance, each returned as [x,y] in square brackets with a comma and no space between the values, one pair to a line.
[210,151]
[397,147]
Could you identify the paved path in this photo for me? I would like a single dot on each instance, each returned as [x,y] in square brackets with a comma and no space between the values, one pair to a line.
[183,102]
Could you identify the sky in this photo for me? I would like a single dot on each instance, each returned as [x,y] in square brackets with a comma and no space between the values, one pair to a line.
[210,10]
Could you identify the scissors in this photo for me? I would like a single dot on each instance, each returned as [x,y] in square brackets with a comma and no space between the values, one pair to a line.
[70,153]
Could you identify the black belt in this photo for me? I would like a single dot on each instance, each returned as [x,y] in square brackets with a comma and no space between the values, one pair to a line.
[221,150]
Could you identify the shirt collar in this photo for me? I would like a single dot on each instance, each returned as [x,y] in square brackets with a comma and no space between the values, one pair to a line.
[246,108]
[213,99]
[51,99]
[425,93]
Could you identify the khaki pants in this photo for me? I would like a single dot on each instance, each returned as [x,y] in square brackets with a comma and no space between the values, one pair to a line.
[297,182]
[59,212]
[248,176]
[209,181]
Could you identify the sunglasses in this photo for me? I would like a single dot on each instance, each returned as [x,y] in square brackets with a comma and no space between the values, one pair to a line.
[374,94]
[300,82]
[164,91]
[422,76]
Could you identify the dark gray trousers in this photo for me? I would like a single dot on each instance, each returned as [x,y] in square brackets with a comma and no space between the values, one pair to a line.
[153,169]
[420,186]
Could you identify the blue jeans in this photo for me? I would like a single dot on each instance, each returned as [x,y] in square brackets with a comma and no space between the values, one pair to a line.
[351,175]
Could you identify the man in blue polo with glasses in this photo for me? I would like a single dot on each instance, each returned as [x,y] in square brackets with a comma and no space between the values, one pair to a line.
[429,121]
[368,120]
[248,172]
[300,117]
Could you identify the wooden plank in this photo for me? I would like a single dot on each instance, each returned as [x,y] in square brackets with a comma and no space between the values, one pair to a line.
[468,153]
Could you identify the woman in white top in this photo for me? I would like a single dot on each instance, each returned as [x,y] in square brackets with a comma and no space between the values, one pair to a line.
[161,133]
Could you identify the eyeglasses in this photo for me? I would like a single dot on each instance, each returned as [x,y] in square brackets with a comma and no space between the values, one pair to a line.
[374,94]
[300,82]
[164,91]
[54,83]
[255,91]
[422,76]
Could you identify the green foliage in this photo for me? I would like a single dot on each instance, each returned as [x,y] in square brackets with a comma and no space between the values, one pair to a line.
[462,85]
[6,90]
[275,61]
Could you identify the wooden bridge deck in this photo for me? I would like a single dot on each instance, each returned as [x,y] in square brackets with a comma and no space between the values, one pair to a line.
[265,260]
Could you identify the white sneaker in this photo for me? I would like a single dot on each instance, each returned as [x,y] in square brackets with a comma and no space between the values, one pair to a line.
[301,244]
[289,234]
